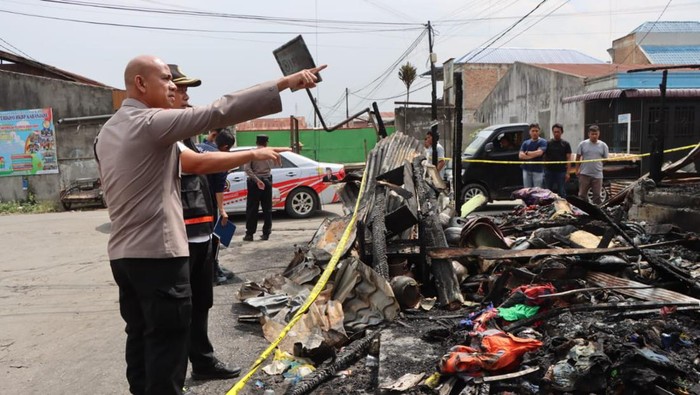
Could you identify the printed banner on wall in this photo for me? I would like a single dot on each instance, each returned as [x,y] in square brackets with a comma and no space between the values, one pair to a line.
[27,142]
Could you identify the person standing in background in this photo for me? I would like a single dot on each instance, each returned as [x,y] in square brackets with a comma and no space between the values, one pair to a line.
[259,194]
[532,150]
[558,150]
[590,174]
[428,144]
[223,141]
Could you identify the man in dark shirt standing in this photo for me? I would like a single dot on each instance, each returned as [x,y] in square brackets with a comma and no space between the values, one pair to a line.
[557,175]
[259,193]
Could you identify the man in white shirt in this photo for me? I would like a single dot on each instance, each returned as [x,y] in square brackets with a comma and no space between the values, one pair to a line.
[428,143]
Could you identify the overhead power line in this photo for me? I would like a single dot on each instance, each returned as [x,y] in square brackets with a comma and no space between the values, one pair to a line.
[394,96]
[18,51]
[177,29]
[283,20]
[526,29]
[493,40]
[639,44]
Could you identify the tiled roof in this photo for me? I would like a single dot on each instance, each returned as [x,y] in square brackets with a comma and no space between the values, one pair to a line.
[270,124]
[668,27]
[526,55]
[671,54]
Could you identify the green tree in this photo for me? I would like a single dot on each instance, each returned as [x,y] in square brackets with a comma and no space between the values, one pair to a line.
[407,74]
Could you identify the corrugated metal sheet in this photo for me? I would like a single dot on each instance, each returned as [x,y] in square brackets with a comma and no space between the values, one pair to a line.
[657,93]
[651,294]
[672,54]
[631,93]
[668,27]
[526,55]
[609,94]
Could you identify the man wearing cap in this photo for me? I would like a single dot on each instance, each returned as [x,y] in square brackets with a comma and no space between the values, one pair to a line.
[198,204]
[140,163]
[259,193]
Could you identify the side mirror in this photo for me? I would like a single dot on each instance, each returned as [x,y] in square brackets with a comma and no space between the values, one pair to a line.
[488,147]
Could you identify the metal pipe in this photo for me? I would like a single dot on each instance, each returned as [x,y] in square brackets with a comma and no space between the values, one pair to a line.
[85,119]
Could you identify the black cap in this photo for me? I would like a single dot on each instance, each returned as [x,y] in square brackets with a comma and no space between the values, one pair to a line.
[261,139]
[180,79]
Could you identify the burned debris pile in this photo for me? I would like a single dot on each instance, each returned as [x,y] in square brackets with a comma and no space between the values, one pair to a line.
[556,296]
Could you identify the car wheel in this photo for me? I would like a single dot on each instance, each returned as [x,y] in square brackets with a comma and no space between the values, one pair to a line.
[471,190]
[301,203]
[603,195]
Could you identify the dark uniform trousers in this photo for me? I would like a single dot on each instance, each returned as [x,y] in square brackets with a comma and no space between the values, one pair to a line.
[259,197]
[201,351]
[155,302]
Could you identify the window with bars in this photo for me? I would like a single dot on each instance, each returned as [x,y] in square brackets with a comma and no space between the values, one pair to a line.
[684,117]
[654,120]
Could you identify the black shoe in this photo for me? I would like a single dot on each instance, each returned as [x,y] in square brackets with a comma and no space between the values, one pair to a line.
[223,272]
[265,237]
[219,371]
[220,280]
[248,238]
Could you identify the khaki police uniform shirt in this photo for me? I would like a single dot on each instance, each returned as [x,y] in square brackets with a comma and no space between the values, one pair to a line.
[139,166]
[258,169]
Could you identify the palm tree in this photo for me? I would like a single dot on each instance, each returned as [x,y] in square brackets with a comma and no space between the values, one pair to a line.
[407,74]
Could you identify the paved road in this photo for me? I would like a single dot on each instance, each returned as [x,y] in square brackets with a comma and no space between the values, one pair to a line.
[61,332]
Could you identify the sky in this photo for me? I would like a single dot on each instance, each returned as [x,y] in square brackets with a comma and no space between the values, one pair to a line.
[229,44]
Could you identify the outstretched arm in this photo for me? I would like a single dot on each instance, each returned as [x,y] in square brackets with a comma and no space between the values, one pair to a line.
[214,162]
[300,80]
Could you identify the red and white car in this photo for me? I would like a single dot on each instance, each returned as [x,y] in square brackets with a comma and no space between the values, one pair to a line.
[299,187]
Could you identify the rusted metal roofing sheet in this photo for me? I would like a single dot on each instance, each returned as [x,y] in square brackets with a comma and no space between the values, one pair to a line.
[651,294]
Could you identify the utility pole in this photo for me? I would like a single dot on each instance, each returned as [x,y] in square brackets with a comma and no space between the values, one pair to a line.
[347,108]
[433,112]
[656,159]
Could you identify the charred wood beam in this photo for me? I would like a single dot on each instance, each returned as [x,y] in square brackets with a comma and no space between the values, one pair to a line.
[659,264]
[492,253]
[430,231]
[352,353]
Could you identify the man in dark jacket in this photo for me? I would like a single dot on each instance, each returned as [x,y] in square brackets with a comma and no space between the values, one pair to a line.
[223,141]
[199,215]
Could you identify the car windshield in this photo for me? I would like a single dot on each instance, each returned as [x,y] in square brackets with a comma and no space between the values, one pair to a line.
[477,142]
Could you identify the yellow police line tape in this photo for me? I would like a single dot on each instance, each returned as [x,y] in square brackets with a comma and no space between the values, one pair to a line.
[563,162]
[307,303]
